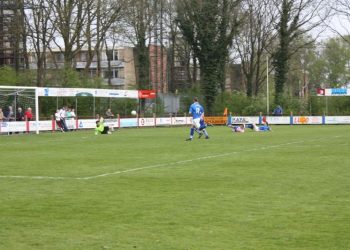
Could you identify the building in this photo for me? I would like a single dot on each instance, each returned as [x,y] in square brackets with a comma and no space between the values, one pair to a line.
[158,68]
[117,65]
[12,41]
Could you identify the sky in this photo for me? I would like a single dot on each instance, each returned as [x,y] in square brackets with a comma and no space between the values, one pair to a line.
[335,24]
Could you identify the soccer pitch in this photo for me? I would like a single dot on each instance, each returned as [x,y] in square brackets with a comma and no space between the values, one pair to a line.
[148,188]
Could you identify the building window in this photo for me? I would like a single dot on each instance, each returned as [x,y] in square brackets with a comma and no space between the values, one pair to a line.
[83,56]
[59,57]
[112,55]
[107,74]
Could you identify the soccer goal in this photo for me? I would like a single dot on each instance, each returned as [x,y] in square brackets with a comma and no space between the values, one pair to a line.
[16,99]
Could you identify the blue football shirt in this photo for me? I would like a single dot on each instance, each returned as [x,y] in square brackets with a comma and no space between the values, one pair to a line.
[196,110]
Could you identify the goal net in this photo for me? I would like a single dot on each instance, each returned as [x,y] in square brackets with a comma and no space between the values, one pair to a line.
[16,100]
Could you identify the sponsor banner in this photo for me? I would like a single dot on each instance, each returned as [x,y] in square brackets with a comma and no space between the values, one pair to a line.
[70,123]
[337,119]
[3,126]
[278,119]
[163,121]
[84,124]
[218,120]
[179,120]
[244,119]
[6,127]
[13,127]
[147,94]
[112,93]
[333,92]
[128,122]
[111,123]
[144,122]
[307,119]
[43,125]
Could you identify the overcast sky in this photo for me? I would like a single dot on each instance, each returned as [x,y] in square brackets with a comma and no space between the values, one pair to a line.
[336,24]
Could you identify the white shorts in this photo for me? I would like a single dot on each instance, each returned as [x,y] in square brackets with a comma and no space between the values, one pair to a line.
[196,122]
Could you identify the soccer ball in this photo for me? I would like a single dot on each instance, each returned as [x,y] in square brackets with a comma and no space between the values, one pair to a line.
[133,112]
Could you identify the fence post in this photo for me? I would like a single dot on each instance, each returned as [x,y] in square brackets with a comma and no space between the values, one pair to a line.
[27,124]
[291,118]
[324,119]
[118,117]
[260,118]
[53,123]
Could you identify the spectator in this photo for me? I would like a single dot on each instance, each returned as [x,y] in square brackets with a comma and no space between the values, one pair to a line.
[9,115]
[63,116]
[70,117]
[1,115]
[278,111]
[19,115]
[109,114]
[58,120]
[28,114]
[72,114]
[68,114]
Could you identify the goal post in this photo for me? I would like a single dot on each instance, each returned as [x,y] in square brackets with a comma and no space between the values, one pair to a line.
[14,97]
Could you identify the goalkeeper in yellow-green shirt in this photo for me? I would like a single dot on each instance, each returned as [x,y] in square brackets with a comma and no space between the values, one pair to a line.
[101,128]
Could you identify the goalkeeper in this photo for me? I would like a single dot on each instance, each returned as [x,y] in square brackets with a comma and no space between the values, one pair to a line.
[101,128]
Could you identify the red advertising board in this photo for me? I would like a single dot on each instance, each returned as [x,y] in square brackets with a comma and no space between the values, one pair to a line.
[147,94]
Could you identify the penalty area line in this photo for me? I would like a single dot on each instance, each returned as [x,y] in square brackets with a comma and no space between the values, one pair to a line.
[169,164]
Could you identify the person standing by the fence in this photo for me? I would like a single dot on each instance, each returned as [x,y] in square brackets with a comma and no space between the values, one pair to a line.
[109,114]
[28,114]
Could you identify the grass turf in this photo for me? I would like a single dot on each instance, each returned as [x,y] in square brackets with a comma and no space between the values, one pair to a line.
[150,189]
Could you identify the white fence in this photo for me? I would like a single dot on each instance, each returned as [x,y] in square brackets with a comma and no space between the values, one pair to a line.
[31,126]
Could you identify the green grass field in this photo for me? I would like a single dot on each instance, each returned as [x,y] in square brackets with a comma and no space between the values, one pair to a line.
[150,189]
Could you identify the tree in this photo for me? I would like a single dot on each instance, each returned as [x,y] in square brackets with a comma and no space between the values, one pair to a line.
[296,17]
[100,19]
[40,34]
[136,27]
[209,26]
[337,57]
[342,9]
[253,43]
[69,19]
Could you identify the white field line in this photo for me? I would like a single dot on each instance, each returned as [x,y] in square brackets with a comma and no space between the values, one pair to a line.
[156,165]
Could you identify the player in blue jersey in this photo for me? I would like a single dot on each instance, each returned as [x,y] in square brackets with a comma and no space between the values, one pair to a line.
[262,128]
[197,112]
[203,125]
[237,128]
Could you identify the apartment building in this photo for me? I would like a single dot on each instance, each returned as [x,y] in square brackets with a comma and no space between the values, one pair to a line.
[117,65]
[11,33]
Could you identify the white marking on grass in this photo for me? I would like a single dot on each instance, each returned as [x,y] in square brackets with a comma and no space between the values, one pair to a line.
[156,165]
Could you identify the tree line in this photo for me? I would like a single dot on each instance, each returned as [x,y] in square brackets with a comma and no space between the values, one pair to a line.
[267,38]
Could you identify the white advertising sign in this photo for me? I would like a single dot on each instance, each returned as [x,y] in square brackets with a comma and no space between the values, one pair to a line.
[147,122]
[244,119]
[163,121]
[112,93]
[307,120]
[278,119]
[337,119]
[334,92]
[179,120]
[13,127]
